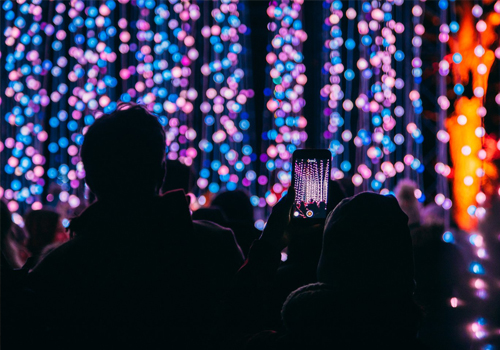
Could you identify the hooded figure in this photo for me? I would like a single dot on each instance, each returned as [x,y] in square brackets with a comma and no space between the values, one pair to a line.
[367,259]
[367,247]
[366,267]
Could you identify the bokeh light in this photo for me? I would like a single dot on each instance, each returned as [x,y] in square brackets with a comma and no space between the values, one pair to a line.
[284,121]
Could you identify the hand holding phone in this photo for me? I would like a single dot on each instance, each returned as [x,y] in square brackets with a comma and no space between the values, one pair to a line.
[310,179]
[278,221]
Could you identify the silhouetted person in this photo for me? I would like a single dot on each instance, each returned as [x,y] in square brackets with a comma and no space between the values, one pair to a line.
[238,212]
[365,296]
[6,223]
[322,206]
[179,176]
[308,315]
[336,194]
[16,301]
[7,249]
[313,207]
[214,215]
[9,282]
[138,272]
[235,205]
[13,251]
[367,259]
[46,232]
[303,251]
[347,185]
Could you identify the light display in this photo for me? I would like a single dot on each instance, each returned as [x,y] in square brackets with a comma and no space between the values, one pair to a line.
[181,58]
[158,55]
[228,155]
[23,105]
[370,91]
[331,92]
[442,169]
[311,184]
[466,126]
[474,174]
[134,51]
[283,120]
[66,63]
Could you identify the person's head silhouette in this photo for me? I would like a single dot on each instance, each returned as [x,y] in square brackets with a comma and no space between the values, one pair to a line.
[235,205]
[367,246]
[124,154]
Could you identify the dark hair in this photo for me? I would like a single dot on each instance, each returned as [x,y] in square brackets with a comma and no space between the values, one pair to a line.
[235,205]
[320,310]
[309,308]
[124,153]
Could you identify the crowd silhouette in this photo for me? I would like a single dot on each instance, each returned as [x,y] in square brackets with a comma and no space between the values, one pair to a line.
[138,270]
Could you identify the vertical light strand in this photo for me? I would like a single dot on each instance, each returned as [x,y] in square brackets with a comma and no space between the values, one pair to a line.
[65,167]
[337,122]
[391,86]
[441,167]
[92,84]
[483,69]
[225,144]
[375,147]
[350,75]
[479,328]
[173,65]
[497,97]
[331,92]
[394,168]
[497,55]
[411,113]
[283,120]
[362,138]
[414,128]
[22,103]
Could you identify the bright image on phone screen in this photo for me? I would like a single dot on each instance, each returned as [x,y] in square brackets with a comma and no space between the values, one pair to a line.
[311,188]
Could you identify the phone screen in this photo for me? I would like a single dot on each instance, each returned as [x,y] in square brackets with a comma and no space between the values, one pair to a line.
[311,176]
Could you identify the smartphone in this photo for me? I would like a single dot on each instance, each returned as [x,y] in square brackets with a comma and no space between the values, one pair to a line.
[310,178]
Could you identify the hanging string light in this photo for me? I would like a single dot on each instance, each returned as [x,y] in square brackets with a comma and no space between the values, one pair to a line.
[225,144]
[337,133]
[283,115]
[441,167]
[472,169]
[378,130]
[102,52]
